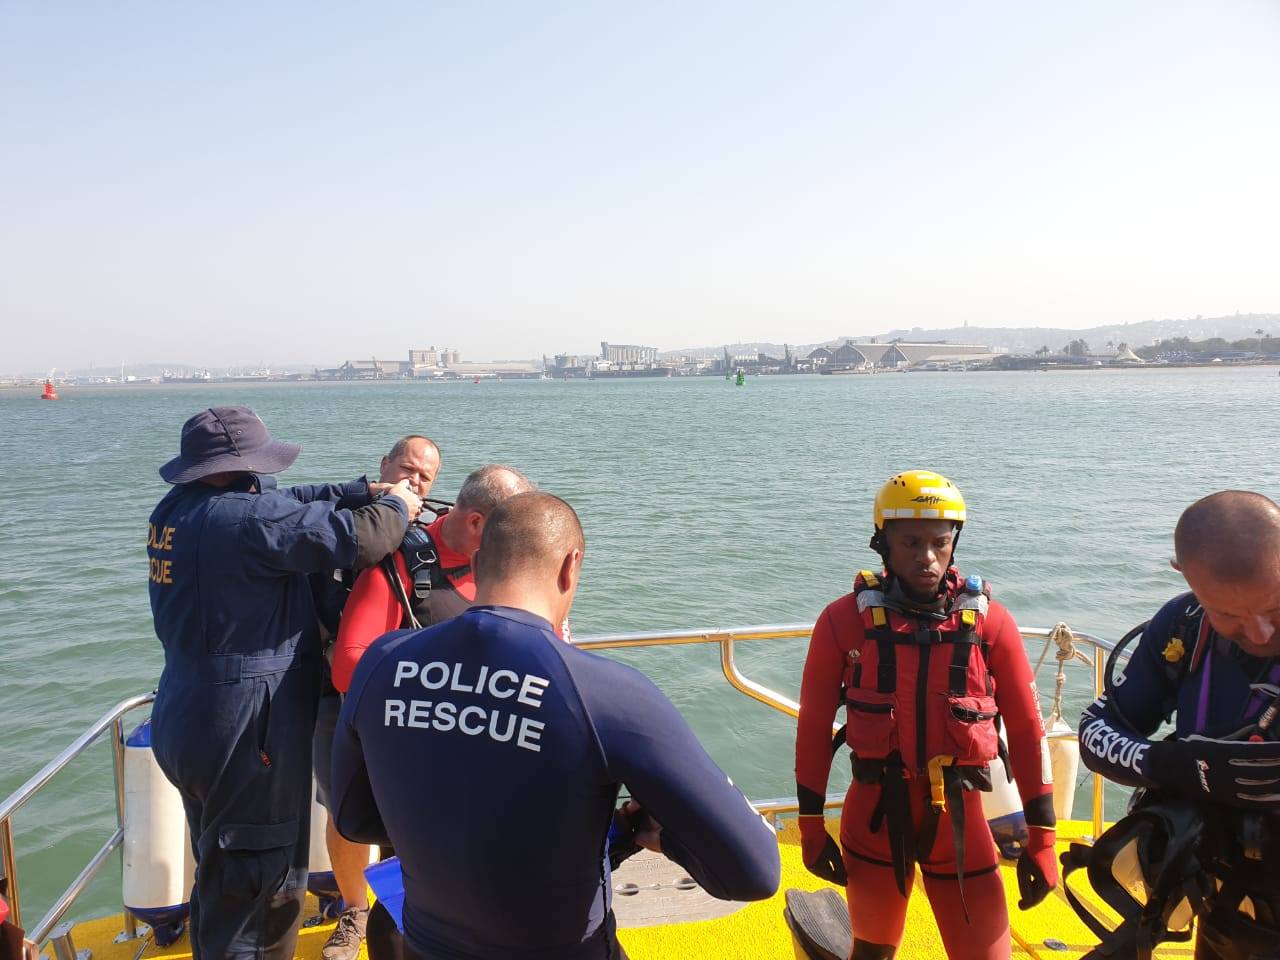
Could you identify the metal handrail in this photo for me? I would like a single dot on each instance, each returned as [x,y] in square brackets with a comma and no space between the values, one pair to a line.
[111,720]
[725,638]
[15,800]
[69,896]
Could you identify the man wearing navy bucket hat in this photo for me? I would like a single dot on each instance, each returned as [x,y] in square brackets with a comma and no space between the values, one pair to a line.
[228,559]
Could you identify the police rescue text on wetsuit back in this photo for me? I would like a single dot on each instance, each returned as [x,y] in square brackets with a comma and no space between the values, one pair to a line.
[499,690]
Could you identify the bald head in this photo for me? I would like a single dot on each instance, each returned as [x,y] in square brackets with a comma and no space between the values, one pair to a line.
[1228,547]
[1233,536]
[527,537]
[412,441]
[481,493]
[488,486]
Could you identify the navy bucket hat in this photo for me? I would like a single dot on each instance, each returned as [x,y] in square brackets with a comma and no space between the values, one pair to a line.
[227,440]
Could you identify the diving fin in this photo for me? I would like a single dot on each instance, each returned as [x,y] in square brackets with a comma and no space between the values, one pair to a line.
[819,924]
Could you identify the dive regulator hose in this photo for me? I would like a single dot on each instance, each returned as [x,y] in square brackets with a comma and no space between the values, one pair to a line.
[1108,681]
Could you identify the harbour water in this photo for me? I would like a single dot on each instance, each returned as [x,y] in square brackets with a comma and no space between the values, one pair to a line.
[704,505]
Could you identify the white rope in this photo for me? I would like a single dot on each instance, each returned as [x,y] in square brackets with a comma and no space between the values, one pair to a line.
[1061,637]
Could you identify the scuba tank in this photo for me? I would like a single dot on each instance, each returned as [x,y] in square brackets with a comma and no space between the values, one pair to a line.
[1064,755]
[159,867]
[1148,869]
[1003,808]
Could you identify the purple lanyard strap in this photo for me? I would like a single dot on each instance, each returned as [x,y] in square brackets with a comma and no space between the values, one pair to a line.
[1256,702]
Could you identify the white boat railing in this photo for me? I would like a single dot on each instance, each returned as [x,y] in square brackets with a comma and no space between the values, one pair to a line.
[726,639]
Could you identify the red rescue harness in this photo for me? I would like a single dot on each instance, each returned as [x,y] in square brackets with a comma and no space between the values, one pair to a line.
[917,685]
[919,701]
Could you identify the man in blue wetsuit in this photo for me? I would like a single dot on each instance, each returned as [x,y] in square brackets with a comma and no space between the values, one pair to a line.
[228,557]
[1210,661]
[490,753]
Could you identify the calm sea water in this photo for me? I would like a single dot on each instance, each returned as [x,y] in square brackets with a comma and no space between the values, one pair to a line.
[704,505]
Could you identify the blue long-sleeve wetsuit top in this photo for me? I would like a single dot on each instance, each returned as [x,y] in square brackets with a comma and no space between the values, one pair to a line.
[490,753]
[1164,682]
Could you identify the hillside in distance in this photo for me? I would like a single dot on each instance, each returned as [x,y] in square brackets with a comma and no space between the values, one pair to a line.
[1030,339]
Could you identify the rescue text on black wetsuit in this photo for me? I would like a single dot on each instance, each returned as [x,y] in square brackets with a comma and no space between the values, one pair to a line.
[465,722]
[472,720]
[1158,685]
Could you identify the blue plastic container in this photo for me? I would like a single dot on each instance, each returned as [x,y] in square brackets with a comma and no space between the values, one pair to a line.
[386,880]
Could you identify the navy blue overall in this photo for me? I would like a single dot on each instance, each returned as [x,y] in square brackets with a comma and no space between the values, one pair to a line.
[236,702]
[490,753]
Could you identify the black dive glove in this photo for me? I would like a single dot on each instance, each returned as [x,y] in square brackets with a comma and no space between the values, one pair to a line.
[819,851]
[1239,773]
[1038,865]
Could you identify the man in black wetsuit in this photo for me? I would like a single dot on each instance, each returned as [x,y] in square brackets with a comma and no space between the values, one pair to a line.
[490,753]
[1210,661]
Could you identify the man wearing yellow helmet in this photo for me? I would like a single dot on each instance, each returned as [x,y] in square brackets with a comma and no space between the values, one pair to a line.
[924,663]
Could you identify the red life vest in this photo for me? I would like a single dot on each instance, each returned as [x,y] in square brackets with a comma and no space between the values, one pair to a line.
[916,688]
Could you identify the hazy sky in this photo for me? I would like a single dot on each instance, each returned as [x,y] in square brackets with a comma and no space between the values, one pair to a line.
[235,182]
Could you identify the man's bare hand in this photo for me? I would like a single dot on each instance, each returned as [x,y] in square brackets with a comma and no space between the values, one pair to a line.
[403,492]
[649,835]
[377,488]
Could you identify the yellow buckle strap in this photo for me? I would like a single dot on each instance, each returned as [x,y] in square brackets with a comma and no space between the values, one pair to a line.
[937,789]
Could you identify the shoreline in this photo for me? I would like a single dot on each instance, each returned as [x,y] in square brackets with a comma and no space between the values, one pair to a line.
[20,385]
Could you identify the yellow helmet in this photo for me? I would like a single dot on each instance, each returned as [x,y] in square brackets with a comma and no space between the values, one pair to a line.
[919,495]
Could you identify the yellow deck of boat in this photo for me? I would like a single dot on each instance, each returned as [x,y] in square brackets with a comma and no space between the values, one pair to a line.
[755,931]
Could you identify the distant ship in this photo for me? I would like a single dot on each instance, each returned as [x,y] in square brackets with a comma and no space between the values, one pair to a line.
[201,376]
[253,376]
[628,373]
[846,371]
